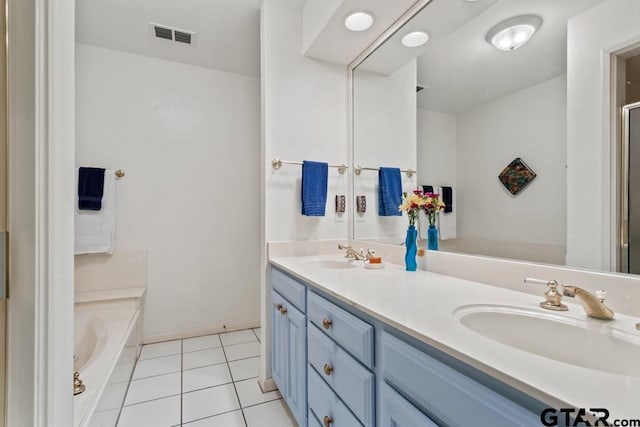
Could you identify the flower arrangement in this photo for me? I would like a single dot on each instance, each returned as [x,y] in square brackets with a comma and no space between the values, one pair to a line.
[412,204]
[430,203]
[432,207]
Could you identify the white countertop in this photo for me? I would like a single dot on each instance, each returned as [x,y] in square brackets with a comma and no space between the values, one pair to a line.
[422,304]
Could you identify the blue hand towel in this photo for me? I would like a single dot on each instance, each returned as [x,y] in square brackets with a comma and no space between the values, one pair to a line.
[90,189]
[389,192]
[314,188]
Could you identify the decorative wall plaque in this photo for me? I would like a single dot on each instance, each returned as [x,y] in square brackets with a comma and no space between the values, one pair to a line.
[516,176]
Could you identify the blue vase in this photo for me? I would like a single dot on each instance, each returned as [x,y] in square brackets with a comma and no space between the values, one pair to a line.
[432,238]
[412,248]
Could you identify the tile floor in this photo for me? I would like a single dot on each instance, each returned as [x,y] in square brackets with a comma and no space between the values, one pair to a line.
[208,381]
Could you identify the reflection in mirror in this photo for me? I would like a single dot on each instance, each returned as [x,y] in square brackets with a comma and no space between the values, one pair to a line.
[478,95]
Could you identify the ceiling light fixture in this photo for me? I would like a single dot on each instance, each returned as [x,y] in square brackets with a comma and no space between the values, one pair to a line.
[415,38]
[359,20]
[513,33]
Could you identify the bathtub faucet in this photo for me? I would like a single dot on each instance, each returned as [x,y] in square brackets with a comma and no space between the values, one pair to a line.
[78,386]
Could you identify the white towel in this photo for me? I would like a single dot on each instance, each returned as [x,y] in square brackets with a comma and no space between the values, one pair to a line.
[447,221]
[95,230]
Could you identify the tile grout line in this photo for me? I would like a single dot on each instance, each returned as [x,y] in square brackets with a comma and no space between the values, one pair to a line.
[187,369]
[181,393]
[181,377]
[235,389]
[150,400]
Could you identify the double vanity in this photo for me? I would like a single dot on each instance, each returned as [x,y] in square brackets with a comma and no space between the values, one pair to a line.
[360,347]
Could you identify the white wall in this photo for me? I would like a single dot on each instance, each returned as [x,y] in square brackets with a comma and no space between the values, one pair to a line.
[592,36]
[470,149]
[304,118]
[437,140]
[21,306]
[188,140]
[40,175]
[384,135]
[437,163]
[530,124]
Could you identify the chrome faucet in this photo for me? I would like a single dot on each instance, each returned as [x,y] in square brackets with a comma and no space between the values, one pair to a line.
[353,254]
[593,304]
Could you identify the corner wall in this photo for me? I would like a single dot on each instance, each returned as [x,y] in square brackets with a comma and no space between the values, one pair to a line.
[384,135]
[304,118]
[591,153]
[188,139]
[479,143]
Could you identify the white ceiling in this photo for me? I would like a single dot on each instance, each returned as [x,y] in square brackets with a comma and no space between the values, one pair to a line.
[440,18]
[463,70]
[460,69]
[335,43]
[227,31]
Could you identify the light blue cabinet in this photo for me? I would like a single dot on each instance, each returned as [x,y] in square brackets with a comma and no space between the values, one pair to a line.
[279,349]
[396,411]
[296,395]
[362,372]
[444,393]
[354,383]
[289,355]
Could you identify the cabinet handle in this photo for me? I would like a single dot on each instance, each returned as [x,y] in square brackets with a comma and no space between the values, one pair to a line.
[278,307]
[328,369]
[283,310]
[327,323]
[327,421]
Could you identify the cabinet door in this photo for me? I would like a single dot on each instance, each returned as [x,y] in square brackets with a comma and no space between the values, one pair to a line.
[296,396]
[396,411]
[279,343]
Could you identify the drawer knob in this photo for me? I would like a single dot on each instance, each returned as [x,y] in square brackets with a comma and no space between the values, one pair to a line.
[327,420]
[278,307]
[328,369]
[283,310]
[327,323]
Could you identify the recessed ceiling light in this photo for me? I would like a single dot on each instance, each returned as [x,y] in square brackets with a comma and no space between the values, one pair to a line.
[415,38]
[513,33]
[359,20]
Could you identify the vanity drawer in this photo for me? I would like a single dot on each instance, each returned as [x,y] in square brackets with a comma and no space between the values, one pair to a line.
[446,395]
[324,403]
[396,411]
[351,381]
[351,333]
[290,288]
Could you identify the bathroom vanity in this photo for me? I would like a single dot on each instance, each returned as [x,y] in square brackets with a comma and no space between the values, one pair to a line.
[352,346]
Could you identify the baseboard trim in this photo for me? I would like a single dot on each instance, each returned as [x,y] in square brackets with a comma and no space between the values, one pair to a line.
[267,384]
[190,333]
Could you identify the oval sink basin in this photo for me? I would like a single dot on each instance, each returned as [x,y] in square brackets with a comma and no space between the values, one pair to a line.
[333,264]
[589,345]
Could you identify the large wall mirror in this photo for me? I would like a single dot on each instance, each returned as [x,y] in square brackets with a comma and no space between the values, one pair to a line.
[495,81]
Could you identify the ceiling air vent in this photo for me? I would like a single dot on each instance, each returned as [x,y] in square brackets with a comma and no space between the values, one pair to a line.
[163,33]
[171,33]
